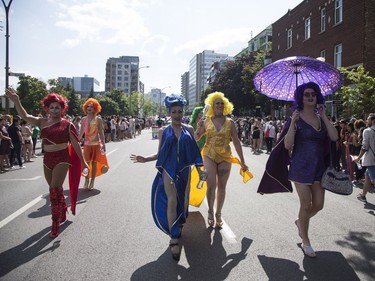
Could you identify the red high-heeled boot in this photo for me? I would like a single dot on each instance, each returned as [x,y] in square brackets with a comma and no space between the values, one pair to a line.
[56,211]
[62,203]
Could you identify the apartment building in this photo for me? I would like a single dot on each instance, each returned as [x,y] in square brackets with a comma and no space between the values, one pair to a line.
[341,31]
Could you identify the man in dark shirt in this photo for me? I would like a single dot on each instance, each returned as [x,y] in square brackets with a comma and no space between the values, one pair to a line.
[16,136]
[159,122]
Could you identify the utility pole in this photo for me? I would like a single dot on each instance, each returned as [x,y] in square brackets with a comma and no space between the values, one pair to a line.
[7,8]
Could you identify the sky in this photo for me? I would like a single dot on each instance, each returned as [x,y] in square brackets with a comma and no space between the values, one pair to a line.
[74,38]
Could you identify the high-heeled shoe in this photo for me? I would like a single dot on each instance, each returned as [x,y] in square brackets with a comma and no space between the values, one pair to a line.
[219,222]
[308,251]
[174,245]
[86,185]
[210,219]
[91,185]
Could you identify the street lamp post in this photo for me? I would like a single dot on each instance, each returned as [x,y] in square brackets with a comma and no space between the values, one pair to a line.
[138,87]
[7,8]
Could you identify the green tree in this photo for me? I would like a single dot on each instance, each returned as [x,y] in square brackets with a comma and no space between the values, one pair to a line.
[119,98]
[73,102]
[235,80]
[109,106]
[358,96]
[150,108]
[91,94]
[56,87]
[31,91]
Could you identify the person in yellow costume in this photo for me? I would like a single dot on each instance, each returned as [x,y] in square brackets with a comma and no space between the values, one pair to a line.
[197,194]
[94,144]
[219,131]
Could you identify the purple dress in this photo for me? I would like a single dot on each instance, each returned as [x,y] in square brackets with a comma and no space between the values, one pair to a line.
[307,161]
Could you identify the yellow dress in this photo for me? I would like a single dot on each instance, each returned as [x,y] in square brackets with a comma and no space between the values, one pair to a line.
[218,149]
[217,145]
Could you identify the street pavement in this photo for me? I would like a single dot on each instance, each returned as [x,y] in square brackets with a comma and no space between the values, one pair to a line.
[113,236]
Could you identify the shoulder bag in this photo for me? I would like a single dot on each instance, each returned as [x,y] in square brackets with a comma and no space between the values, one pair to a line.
[336,181]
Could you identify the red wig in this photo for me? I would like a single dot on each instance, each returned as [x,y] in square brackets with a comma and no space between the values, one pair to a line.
[95,103]
[53,97]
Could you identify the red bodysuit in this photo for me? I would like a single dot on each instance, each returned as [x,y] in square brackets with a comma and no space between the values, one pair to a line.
[57,134]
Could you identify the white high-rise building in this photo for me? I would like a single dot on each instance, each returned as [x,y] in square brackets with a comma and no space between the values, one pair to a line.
[199,70]
[81,85]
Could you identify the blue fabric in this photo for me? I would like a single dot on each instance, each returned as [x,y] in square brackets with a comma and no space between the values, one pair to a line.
[175,158]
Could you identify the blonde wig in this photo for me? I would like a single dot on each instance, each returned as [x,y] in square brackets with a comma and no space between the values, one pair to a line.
[210,100]
[97,106]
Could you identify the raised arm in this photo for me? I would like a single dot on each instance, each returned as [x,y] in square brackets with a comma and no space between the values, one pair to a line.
[12,95]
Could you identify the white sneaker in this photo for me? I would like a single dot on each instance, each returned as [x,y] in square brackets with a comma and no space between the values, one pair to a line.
[22,167]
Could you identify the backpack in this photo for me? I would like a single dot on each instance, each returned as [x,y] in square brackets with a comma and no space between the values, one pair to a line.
[267,134]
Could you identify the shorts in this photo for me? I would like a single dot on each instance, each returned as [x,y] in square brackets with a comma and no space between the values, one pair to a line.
[91,152]
[52,159]
[256,134]
[370,172]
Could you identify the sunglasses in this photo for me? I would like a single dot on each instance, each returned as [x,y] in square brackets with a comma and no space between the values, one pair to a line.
[310,94]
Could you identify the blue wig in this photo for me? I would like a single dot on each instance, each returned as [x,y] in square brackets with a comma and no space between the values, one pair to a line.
[298,95]
[174,100]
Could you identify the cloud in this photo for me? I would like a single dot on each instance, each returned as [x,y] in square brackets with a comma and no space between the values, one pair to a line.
[219,41]
[155,45]
[112,21]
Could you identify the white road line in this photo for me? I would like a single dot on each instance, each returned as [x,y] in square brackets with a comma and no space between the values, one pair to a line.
[109,153]
[29,179]
[20,211]
[29,205]
[226,230]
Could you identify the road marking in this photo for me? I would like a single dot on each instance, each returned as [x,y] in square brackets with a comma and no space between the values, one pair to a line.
[20,211]
[225,229]
[29,179]
[29,205]
[109,153]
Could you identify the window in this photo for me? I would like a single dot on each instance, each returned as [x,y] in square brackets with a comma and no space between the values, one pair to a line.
[323,53]
[307,28]
[323,20]
[338,11]
[289,39]
[119,72]
[338,55]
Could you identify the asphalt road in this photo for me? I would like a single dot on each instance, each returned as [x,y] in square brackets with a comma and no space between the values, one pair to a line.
[113,237]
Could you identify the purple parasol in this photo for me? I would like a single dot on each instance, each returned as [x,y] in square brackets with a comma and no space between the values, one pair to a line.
[280,79]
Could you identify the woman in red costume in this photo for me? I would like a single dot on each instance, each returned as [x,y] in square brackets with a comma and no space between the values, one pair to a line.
[56,134]
[94,145]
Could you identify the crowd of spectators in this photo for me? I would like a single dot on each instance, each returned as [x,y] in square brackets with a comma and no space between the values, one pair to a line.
[18,139]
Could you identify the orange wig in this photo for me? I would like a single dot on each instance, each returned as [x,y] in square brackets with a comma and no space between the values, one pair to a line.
[95,103]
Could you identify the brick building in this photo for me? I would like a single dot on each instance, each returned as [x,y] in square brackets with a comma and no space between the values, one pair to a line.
[341,31]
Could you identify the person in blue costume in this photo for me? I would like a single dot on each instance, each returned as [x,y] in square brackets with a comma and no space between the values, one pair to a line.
[177,152]
[304,146]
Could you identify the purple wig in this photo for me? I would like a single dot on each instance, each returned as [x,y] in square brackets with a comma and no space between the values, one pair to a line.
[298,95]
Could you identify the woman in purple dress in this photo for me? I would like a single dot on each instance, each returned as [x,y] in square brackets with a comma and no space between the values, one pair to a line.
[306,139]
[304,146]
